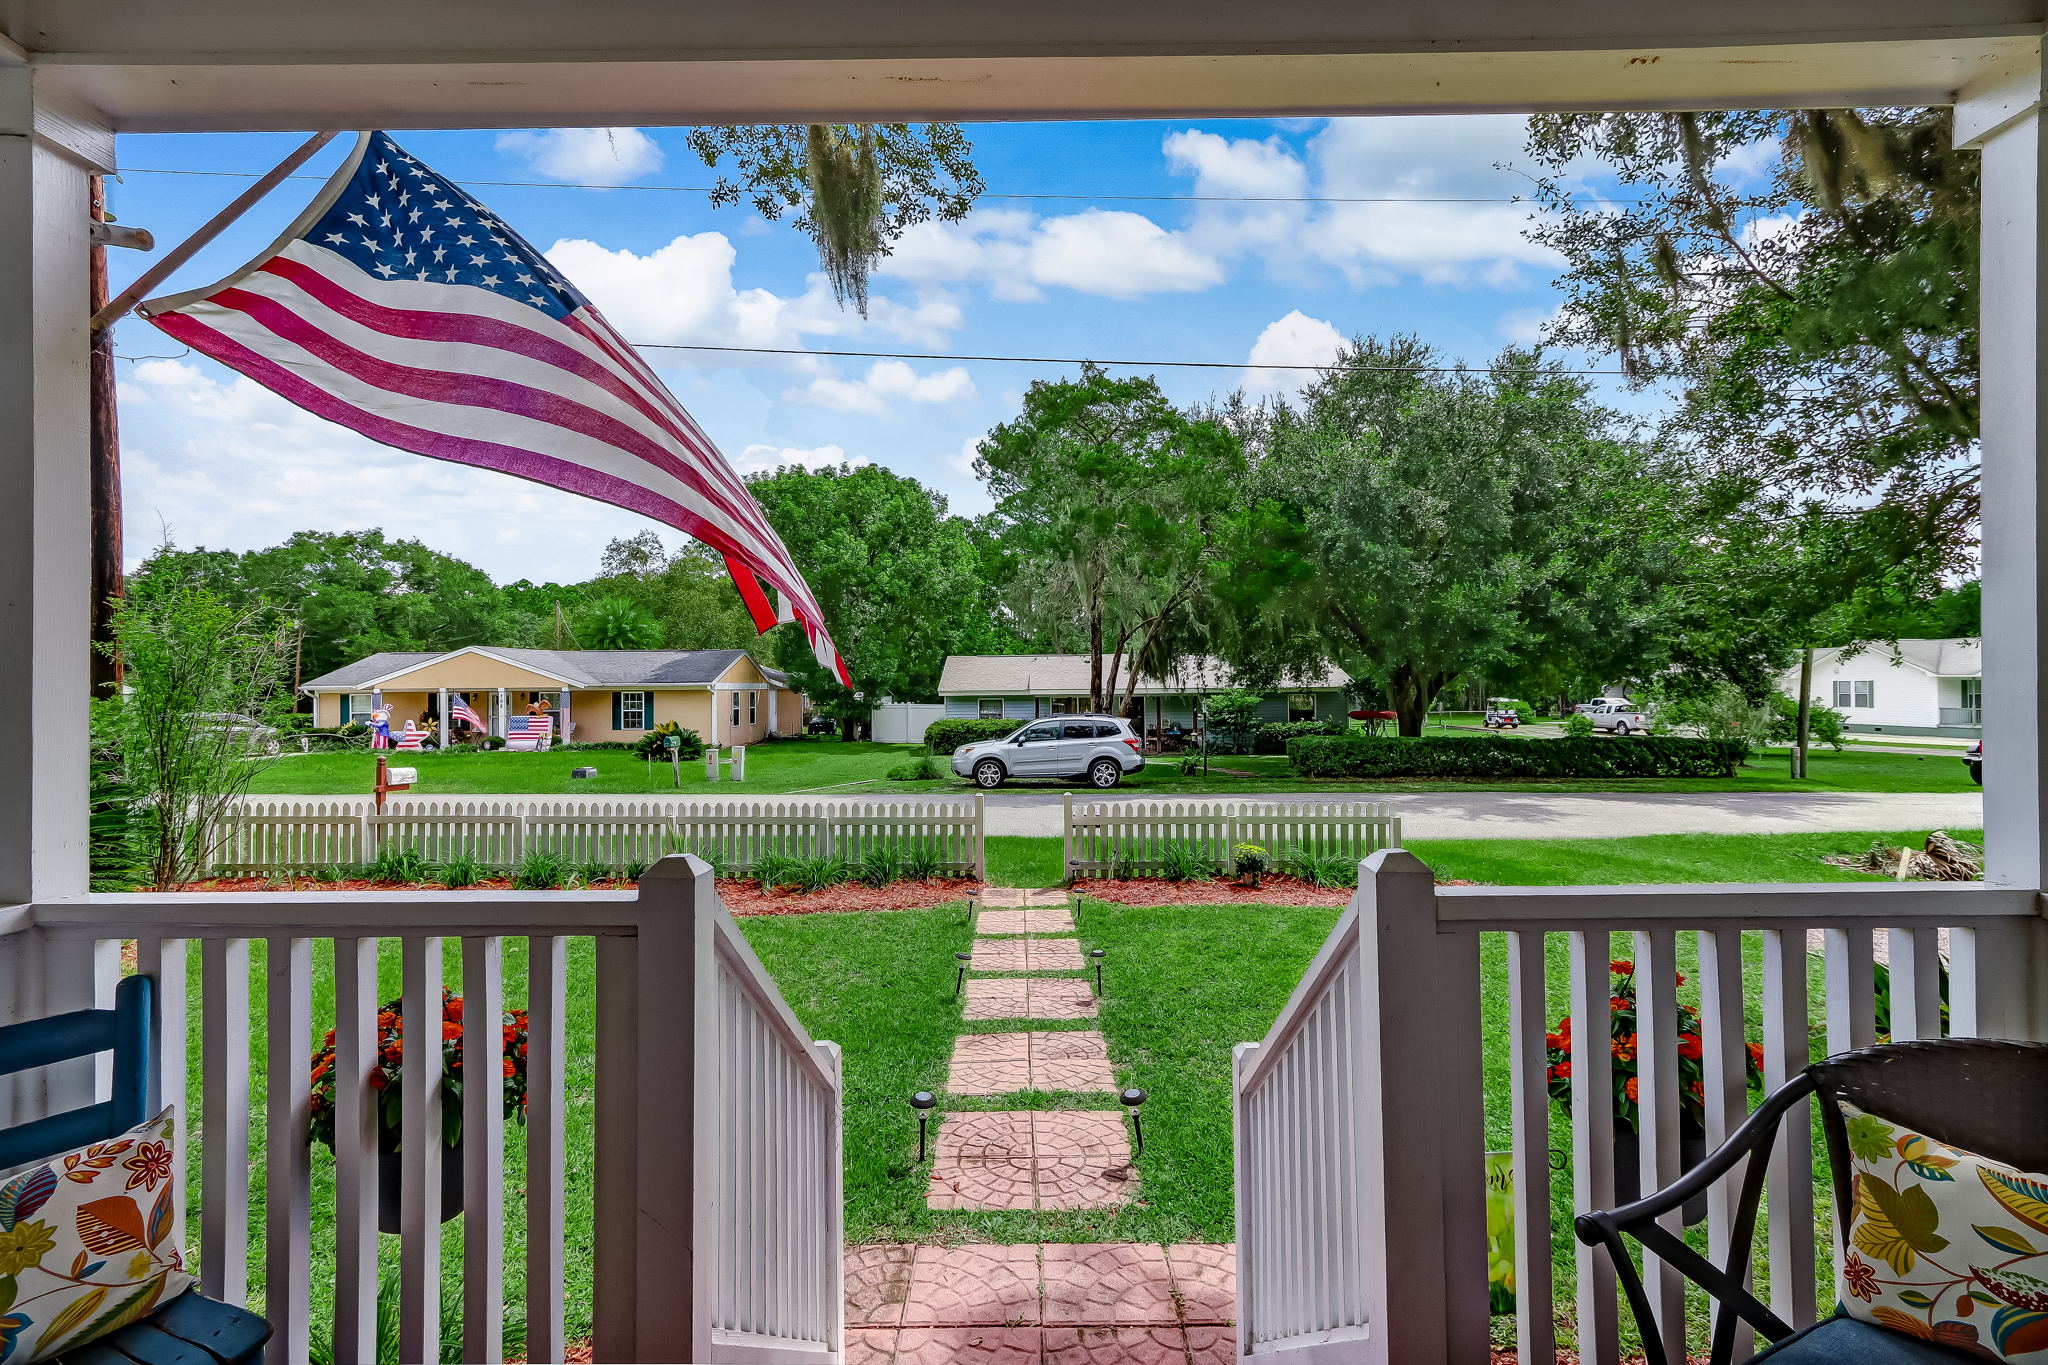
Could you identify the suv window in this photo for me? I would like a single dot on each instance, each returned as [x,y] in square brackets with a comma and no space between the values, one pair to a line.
[1109,730]
[1039,733]
[1081,731]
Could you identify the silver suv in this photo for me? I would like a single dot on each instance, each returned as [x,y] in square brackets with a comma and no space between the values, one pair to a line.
[1097,750]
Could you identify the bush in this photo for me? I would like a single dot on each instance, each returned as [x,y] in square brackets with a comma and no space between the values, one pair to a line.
[1181,861]
[1234,714]
[492,741]
[944,736]
[709,854]
[1320,869]
[593,871]
[876,865]
[460,871]
[541,870]
[399,864]
[654,744]
[920,863]
[1823,723]
[617,746]
[1484,756]
[1272,737]
[1578,726]
[772,870]
[923,768]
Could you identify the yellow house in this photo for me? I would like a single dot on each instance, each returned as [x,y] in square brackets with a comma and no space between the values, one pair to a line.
[592,694]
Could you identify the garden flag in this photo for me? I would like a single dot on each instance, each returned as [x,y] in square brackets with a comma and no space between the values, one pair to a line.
[399,307]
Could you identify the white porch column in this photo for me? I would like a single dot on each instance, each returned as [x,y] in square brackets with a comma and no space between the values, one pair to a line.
[500,723]
[563,712]
[716,702]
[44,547]
[771,711]
[2001,117]
[447,730]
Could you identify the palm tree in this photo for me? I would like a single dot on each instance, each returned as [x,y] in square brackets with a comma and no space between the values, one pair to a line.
[617,623]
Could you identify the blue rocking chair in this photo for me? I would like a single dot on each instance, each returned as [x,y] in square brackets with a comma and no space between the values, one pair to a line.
[191,1329]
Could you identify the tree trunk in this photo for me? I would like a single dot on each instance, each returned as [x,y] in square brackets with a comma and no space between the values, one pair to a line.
[1804,725]
[1409,700]
[105,667]
[846,732]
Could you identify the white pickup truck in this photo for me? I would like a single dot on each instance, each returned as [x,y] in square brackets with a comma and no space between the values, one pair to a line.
[1616,714]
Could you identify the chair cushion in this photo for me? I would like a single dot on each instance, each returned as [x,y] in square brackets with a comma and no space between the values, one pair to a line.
[1945,1245]
[1849,1341]
[89,1242]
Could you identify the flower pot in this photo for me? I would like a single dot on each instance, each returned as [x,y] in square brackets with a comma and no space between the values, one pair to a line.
[391,1180]
[1692,1150]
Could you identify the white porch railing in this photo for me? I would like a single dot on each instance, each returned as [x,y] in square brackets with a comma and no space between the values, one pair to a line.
[1105,838]
[1361,1118]
[295,834]
[714,1120]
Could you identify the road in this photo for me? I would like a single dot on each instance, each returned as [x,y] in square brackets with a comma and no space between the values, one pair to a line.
[1519,815]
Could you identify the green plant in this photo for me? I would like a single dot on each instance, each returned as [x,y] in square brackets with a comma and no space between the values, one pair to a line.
[1320,869]
[1181,861]
[459,871]
[507,1038]
[773,870]
[541,870]
[923,768]
[1824,724]
[877,865]
[1193,766]
[592,871]
[1578,726]
[1621,1008]
[944,736]
[1249,860]
[630,870]
[816,871]
[1231,715]
[920,862]
[1882,998]
[118,828]
[1496,756]
[400,863]
[328,875]
[711,855]
[654,744]
[492,741]
[1272,737]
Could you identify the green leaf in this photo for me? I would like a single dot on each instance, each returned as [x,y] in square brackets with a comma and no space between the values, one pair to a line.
[8,1288]
[1896,1224]
[1913,1298]
[1870,1138]
[2005,1239]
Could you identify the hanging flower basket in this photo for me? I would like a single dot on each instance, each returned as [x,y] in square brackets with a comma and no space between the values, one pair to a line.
[385,1080]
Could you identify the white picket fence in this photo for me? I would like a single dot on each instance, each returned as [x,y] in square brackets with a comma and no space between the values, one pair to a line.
[1104,838]
[297,835]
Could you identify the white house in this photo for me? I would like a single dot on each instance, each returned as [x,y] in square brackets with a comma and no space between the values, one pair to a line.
[1023,686]
[1919,687]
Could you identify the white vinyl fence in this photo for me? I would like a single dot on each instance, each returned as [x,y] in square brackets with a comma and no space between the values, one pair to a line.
[298,835]
[1361,1119]
[713,1119]
[1111,838]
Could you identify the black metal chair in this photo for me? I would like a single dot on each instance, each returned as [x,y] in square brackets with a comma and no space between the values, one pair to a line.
[191,1329]
[1981,1095]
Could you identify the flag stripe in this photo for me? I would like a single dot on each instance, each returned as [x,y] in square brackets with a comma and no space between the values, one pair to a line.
[751,594]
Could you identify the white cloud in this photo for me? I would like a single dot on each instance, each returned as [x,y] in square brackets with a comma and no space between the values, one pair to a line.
[885,381]
[585,156]
[761,458]
[1296,339]
[1109,253]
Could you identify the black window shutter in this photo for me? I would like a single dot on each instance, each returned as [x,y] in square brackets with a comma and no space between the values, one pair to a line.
[618,709]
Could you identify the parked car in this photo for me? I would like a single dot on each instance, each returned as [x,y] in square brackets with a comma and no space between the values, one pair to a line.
[1617,715]
[259,738]
[1501,714]
[1973,759]
[1098,750]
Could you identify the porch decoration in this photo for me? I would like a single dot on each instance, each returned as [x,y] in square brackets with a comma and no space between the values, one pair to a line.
[384,1078]
[1250,862]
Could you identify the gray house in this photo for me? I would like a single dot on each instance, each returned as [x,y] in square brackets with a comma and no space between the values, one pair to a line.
[1025,686]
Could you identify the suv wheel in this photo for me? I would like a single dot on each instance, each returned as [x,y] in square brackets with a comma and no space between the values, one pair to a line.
[1104,773]
[988,774]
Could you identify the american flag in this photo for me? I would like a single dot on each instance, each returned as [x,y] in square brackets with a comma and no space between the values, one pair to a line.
[401,308]
[459,710]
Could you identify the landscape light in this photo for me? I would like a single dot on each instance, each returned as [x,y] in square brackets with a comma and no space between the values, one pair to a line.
[1131,1099]
[960,981]
[922,1103]
[1098,954]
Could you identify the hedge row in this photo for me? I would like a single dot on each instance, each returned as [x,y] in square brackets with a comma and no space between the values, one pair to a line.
[1499,756]
[1275,735]
[944,736]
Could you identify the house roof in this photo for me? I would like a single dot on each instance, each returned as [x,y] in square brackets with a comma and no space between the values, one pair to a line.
[1953,658]
[577,667]
[1064,675]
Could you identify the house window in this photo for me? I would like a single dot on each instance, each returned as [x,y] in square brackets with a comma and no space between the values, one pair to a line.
[1301,706]
[356,708]
[751,700]
[1853,694]
[631,710]
[1973,694]
[735,710]
[991,708]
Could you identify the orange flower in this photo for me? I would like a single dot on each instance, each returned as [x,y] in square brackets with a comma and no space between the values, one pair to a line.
[1624,1048]
[508,1066]
[1630,1090]
[1622,966]
[1563,1069]
[453,1008]
[450,1031]
[1689,1046]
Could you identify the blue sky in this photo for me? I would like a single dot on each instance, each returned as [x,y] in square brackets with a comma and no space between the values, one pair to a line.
[1068,269]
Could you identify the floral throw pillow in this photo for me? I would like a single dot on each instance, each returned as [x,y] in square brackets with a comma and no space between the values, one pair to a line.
[88,1242]
[1946,1245]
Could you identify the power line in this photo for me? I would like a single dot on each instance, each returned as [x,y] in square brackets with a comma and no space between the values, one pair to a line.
[1081,360]
[986,194]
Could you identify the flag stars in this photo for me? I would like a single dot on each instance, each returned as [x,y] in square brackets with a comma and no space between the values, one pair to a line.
[386,271]
[465,240]
[336,237]
[491,280]
[479,260]
[358,220]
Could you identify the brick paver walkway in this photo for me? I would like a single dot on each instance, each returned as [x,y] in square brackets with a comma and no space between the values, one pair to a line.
[1117,1303]
[1088,1303]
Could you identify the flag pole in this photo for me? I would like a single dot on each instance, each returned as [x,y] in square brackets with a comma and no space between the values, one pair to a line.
[214,226]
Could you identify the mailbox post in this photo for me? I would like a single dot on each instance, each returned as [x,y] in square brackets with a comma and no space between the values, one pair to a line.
[390,779]
[674,745]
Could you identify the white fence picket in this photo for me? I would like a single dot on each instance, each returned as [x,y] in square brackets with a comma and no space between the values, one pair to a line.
[1109,838]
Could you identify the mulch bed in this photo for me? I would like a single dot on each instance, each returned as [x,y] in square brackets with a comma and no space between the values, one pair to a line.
[741,896]
[1273,889]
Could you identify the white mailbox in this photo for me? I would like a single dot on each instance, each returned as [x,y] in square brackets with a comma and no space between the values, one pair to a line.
[402,777]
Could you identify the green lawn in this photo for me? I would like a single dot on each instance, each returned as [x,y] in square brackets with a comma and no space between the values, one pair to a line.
[832,767]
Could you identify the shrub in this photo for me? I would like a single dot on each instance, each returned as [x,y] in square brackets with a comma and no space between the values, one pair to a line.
[920,862]
[923,768]
[541,870]
[654,744]
[1181,861]
[713,857]
[772,870]
[629,872]
[817,871]
[1320,869]
[876,865]
[492,741]
[1578,726]
[1272,737]
[617,746]
[395,863]
[1233,714]
[1823,723]
[1249,860]
[460,871]
[592,871]
[944,736]
[1493,756]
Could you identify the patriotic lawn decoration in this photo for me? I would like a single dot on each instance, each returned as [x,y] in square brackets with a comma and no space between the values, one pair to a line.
[401,308]
[380,730]
[459,710]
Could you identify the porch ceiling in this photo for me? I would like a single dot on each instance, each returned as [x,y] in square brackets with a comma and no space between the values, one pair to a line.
[220,64]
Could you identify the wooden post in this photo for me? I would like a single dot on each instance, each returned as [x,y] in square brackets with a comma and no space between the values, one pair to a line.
[104,665]
[1804,725]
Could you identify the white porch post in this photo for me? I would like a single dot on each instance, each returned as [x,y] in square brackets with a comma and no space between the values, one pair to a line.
[500,724]
[771,711]
[563,712]
[715,702]
[2001,117]
[447,730]
[44,547]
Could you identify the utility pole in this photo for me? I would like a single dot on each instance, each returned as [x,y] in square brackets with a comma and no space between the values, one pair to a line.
[1805,712]
[105,668]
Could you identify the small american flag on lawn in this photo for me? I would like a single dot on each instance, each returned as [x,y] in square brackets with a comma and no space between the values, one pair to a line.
[401,308]
[459,710]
